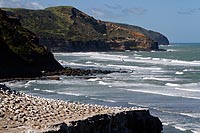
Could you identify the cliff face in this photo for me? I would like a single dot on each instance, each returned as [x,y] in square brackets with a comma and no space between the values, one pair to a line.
[20,54]
[68,29]
[155,36]
[139,121]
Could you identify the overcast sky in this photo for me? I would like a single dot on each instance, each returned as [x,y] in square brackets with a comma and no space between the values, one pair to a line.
[179,20]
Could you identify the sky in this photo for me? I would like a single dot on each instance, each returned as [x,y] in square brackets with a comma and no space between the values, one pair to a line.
[179,20]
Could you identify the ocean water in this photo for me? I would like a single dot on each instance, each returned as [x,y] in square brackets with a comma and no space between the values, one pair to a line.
[168,83]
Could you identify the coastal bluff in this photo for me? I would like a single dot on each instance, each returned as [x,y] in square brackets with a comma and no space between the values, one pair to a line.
[67,29]
[20,52]
[25,113]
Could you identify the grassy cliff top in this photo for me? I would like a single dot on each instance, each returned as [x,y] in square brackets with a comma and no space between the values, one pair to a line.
[67,22]
[61,22]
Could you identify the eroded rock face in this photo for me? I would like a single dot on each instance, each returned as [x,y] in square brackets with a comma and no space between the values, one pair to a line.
[66,29]
[20,53]
[125,122]
[155,36]
[61,45]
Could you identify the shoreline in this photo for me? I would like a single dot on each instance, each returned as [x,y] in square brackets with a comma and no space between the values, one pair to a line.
[22,112]
[67,71]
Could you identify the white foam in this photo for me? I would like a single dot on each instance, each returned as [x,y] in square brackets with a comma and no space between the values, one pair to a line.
[108,100]
[166,60]
[179,73]
[192,63]
[143,58]
[136,55]
[18,84]
[48,82]
[171,50]
[93,54]
[191,70]
[105,100]
[93,79]
[36,89]
[172,84]
[161,93]
[180,128]
[49,91]
[93,98]
[70,93]
[155,59]
[76,54]
[103,83]
[88,62]
[195,131]
[190,90]
[134,67]
[27,84]
[62,62]
[196,61]
[193,85]
[138,58]
[193,115]
[165,124]
[158,78]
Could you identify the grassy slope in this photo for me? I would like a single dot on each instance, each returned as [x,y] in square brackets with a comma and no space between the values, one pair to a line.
[68,23]
[63,21]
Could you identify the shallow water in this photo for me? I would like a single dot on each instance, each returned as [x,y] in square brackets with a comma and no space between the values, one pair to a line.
[168,83]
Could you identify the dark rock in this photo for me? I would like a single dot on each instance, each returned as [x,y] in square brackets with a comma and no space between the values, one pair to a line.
[138,121]
[20,53]
[75,72]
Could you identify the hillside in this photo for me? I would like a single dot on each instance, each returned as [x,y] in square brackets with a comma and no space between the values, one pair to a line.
[65,28]
[20,53]
[155,36]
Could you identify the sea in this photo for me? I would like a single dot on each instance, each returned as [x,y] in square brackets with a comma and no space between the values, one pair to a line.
[165,82]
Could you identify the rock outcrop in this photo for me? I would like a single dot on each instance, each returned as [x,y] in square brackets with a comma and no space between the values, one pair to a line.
[20,53]
[21,112]
[138,121]
[67,29]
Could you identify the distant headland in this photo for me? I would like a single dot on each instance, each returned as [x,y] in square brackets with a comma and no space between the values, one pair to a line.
[66,29]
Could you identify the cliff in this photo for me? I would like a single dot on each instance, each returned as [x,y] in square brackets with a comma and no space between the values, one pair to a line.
[20,53]
[66,28]
[137,121]
[21,112]
[155,36]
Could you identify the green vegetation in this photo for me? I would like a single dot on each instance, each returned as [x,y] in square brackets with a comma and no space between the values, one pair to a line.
[18,39]
[71,25]
[61,22]
[20,53]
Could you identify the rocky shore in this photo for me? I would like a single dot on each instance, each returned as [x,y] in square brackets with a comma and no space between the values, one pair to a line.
[67,71]
[25,113]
